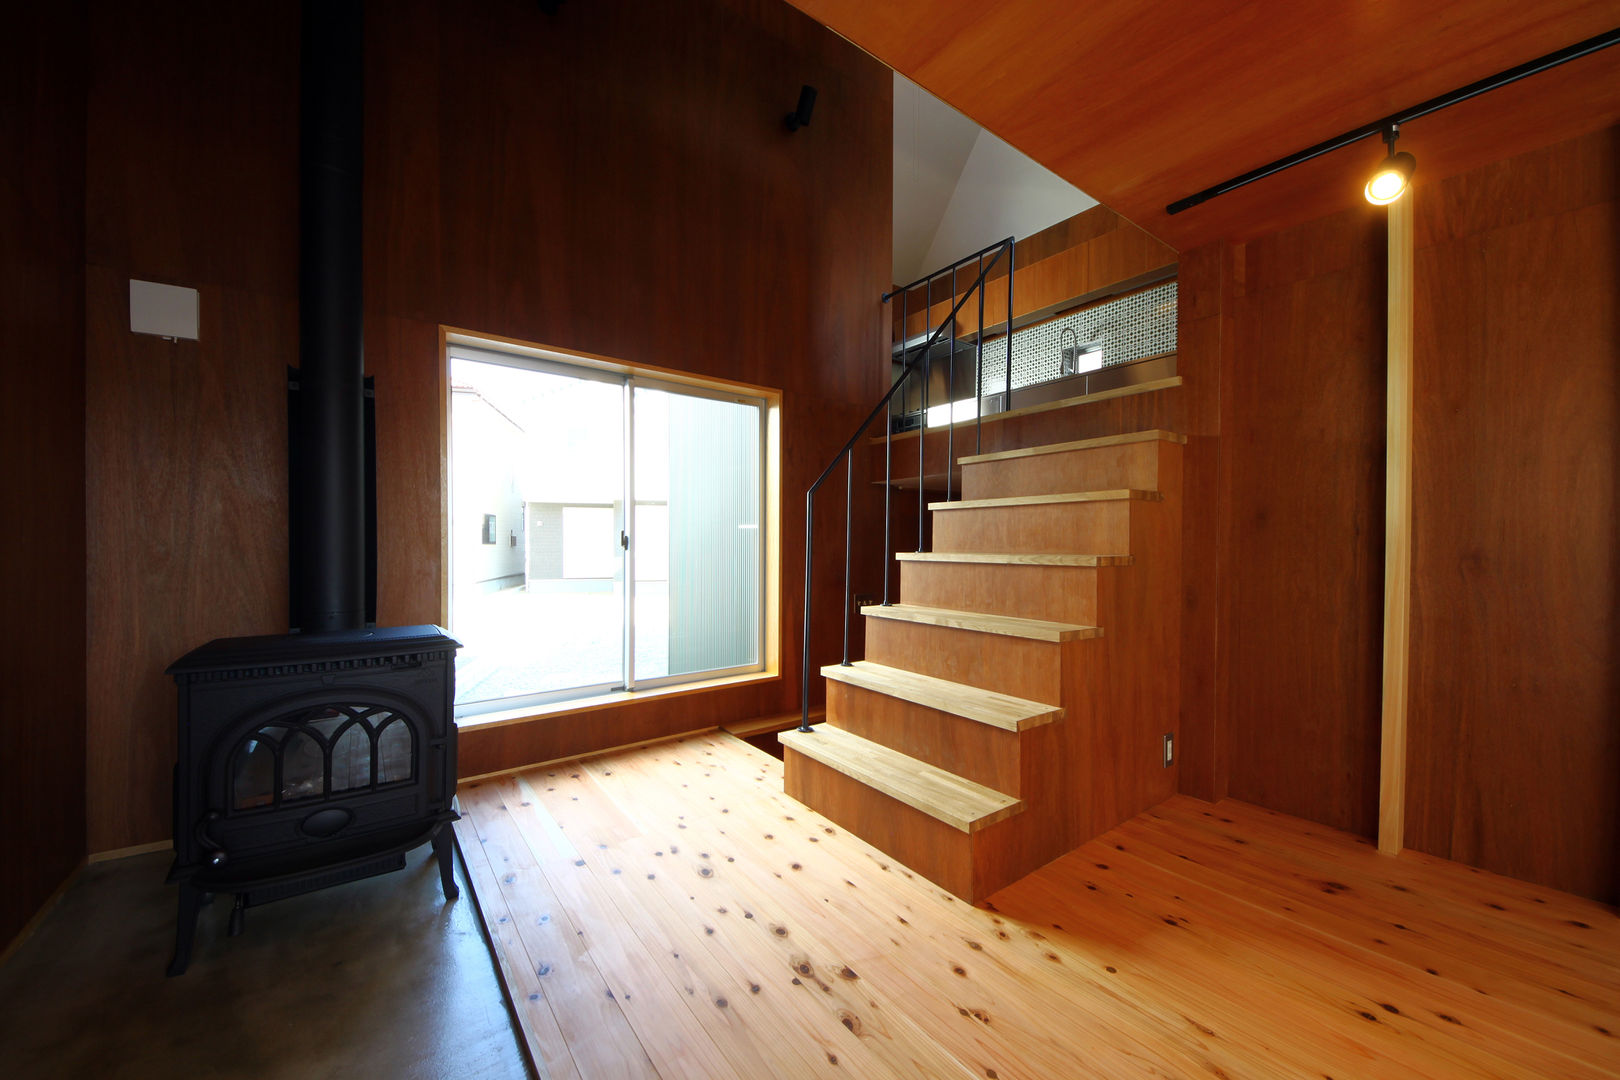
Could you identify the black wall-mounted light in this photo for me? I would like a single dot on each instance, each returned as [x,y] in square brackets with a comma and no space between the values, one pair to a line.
[1389,182]
[800,117]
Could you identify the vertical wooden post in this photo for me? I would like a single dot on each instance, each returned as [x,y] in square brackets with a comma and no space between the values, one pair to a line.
[1397,532]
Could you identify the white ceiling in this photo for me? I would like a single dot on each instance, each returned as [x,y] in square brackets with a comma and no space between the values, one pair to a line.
[958,188]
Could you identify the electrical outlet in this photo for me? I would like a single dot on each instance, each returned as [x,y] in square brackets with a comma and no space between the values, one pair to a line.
[860,600]
[1169,749]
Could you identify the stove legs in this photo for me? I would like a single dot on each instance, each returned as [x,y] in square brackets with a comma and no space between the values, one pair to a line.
[191,900]
[444,846]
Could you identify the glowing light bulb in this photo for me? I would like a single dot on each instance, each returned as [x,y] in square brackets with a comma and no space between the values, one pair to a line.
[1391,179]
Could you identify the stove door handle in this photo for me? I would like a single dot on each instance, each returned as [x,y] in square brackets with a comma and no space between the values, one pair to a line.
[216,854]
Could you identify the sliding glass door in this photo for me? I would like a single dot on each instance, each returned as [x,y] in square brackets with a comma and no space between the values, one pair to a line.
[604,531]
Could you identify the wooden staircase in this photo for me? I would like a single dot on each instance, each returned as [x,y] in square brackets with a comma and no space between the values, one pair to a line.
[1013,704]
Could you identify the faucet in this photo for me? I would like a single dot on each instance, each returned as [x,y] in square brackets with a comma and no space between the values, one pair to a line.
[1071,354]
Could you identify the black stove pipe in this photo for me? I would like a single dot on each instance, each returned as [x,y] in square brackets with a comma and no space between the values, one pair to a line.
[329,545]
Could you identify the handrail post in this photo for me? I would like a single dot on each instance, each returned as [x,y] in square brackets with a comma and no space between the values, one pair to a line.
[888,448]
[950,394]
[922,416]
[804,674]
[978,369]
[1006,403]
[849,518]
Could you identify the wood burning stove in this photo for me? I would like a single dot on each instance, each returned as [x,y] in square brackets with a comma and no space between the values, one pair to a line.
[307,761]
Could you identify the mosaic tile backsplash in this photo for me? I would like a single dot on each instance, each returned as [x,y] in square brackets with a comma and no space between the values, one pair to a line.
[1130,328]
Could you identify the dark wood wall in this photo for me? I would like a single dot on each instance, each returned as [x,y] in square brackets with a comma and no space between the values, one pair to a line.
[1515,702]
[42,635]
[1282,353]
[614,179]
[1514,745]
[1306,572]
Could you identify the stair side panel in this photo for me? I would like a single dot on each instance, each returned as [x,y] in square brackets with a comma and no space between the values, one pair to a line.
[1133,683]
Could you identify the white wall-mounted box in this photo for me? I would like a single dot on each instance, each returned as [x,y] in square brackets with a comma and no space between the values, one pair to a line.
[166,310]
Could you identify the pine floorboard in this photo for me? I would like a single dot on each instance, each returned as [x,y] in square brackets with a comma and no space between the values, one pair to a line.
[668,912]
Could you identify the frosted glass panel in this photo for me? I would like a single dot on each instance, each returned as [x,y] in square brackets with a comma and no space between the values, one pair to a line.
[697,474]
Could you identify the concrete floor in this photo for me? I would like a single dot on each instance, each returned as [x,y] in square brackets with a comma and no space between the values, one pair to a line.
[376,978]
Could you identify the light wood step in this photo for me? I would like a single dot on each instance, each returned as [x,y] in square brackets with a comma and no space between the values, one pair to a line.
[1112,495]
[969,702]
[1007,625]
[941,795]
[767,725]
[1155,435]
[1012,558]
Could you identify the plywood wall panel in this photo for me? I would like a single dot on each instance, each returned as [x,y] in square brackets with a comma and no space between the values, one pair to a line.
[42,697]
[187,536]
[1514,747]
[1305,569]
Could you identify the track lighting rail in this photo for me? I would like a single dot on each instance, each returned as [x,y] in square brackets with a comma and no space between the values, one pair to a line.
[1378,127]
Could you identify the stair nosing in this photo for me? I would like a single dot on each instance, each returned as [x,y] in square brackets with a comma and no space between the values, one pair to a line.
[1154,435]
[866,675]
[1013,558]
[1048,630]
[1059,499]
[1003,805]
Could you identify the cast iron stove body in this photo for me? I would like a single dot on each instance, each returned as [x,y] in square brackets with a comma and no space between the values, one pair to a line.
[308,760]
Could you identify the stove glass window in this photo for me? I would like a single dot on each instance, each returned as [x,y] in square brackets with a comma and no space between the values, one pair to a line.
[254,778]
[351,759]
[395,753]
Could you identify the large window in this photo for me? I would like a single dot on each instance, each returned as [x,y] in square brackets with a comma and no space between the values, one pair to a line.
[628,530]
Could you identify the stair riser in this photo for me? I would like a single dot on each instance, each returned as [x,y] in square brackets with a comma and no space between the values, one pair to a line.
[1054,593]
[1048,528]
[971,866]
[981,753]
[1134,465]
[1016,666]
[940,853]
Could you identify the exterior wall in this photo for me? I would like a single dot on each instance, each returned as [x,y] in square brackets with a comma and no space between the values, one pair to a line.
[489,448]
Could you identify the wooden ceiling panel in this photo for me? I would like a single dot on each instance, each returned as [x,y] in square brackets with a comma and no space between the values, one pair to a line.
[1140,102]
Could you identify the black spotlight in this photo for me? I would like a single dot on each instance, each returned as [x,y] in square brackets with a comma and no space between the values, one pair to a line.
[800,117]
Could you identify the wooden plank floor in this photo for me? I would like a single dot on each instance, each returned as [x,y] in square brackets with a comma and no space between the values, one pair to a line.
[668,912]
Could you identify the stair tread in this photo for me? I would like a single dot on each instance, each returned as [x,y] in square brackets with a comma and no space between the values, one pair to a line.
[1109,495]
[1006,625]
[1155,435]
[969,702]
[1013,558]
[944,796]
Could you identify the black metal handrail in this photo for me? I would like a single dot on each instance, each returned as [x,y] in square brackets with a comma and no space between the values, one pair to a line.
[918,363]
